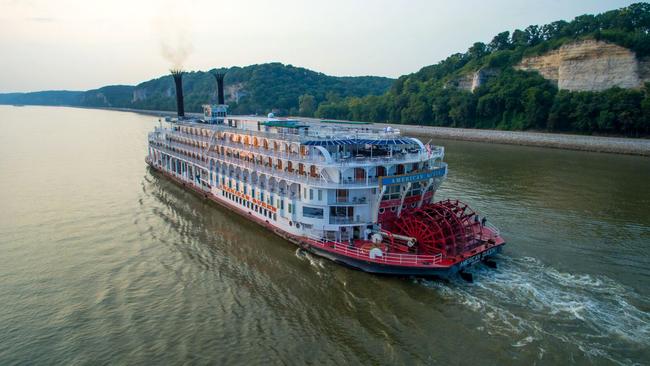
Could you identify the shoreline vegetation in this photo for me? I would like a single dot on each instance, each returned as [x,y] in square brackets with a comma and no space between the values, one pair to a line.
[487,88]
[602,144]
[484,88]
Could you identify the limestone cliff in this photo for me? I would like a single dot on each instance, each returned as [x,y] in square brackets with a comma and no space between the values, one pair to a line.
[474,80]
[590,65]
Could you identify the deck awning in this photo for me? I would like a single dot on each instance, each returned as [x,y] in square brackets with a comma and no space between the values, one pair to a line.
[396,141]
[331,142]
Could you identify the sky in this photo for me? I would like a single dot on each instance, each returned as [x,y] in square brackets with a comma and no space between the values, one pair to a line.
[82,44]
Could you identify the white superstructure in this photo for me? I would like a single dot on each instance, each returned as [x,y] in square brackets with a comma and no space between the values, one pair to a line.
[321,179]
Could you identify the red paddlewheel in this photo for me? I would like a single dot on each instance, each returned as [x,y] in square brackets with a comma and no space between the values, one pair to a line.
[447,227]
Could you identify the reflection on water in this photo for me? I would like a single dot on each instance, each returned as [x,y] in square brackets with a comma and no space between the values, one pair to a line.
[105,261]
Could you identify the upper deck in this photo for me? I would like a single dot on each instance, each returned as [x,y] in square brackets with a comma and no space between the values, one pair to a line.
[314,140]
[298,129]
[303,150]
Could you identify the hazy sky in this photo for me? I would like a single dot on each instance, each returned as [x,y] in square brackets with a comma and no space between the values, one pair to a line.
[84,44]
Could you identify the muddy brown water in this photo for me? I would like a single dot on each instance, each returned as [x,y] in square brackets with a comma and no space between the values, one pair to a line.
[104,261]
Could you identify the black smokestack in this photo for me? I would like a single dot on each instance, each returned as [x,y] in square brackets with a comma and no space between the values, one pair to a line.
[178,80]
[219,76]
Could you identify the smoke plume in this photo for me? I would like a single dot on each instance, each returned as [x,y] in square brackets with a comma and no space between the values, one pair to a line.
[173,30]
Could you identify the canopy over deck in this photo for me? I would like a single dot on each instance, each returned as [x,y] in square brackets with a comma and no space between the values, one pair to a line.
[395,141]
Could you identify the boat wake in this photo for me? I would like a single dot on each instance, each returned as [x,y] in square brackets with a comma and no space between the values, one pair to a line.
[539,306]
[314,262]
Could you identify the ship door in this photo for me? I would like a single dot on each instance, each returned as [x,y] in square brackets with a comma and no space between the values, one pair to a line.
[359,174]
[356,232]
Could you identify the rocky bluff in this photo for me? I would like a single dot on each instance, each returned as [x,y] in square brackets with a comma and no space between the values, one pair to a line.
[590,65]
[587,65]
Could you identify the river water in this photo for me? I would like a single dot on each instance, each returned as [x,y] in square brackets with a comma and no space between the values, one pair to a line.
[104,261]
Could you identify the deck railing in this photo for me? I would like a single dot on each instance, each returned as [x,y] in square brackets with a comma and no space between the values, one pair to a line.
[250,148]
[324,180]
[364,254]
[292,176]
[396,158]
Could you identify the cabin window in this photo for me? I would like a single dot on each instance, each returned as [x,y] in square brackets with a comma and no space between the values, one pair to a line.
[313,212]
[290,208]
[341,211]
[320,194]
[342,195]
[311,194]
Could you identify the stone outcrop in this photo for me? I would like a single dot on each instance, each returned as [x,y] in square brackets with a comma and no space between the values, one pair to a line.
[644,70]
[95,98]
[474,80]
[590,65]
[482,76]
[462,82]
[234,92]
[139,94]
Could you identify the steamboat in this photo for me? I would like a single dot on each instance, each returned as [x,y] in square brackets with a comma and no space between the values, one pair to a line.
[360,195]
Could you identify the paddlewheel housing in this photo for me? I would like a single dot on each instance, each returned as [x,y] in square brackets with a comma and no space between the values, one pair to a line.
[448,227]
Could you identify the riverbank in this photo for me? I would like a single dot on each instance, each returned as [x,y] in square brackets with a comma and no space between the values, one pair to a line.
[604,144]
[617,145]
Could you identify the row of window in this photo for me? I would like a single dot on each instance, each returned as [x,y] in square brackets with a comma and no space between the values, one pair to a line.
[278,202]
[250,205]
[312,212]
[393,191]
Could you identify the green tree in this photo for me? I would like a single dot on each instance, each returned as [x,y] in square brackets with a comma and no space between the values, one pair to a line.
[306,105]
[500,42]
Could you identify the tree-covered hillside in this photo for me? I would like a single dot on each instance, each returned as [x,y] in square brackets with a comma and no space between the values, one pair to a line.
[50,97]
[516,99]
[251,89]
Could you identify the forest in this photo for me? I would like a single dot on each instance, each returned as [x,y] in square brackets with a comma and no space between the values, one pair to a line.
[511,100]
[514,100]
[254,89]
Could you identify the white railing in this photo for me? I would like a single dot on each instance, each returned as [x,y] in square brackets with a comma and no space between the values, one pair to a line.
[257,150]
[494,229]
[387,258]
[323,131]
[335,220]
[296,177]
[395,158]
[271,170]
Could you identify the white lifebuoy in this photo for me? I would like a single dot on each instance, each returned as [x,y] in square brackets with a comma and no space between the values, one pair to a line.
[375,253]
